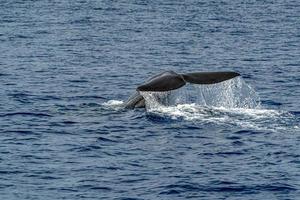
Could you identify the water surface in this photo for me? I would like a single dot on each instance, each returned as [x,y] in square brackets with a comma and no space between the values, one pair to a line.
[66,65]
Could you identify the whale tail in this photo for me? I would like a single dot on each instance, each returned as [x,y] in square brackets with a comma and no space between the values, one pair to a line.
[170,80]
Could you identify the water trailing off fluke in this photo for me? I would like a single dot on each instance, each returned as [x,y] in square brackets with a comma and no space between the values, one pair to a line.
[169,81]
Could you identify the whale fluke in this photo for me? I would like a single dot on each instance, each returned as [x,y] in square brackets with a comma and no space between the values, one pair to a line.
[163,82]
[170,80]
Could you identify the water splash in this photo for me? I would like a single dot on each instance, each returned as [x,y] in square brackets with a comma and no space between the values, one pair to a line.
[230,103]
[113,104]
[234,93]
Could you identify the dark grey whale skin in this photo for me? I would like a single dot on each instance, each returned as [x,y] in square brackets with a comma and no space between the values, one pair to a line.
[135,101]
[170,80]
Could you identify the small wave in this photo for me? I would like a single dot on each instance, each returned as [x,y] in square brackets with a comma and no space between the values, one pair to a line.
[179,188]
[25,114]
[85,148]
[103,139]
[78,81]
[92,187]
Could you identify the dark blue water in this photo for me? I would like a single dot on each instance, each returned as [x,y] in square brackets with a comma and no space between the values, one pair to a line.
[62,62]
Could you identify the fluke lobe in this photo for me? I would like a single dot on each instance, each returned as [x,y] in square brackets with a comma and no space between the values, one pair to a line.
[170,80]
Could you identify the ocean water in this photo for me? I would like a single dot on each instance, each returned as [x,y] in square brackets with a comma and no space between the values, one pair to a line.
[67,66]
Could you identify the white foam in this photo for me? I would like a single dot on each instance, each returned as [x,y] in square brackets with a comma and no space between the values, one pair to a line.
[258,119]
[116,104]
